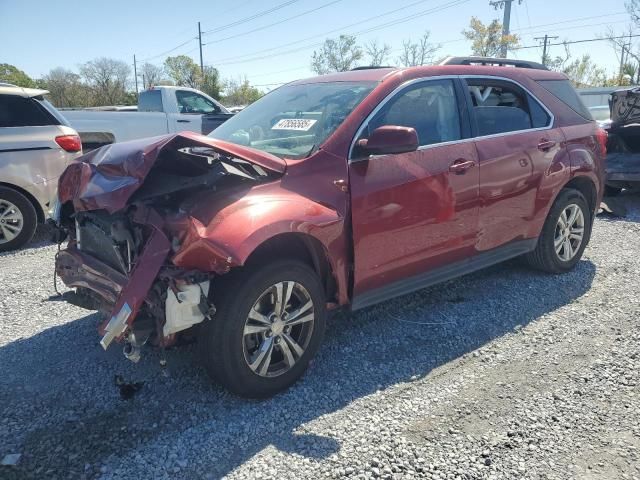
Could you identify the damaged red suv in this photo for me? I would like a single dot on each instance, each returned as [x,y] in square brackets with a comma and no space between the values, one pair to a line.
[343,190]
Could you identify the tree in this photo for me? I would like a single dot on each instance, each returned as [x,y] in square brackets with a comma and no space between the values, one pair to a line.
[66,89]
[487,40]
[584,73]
[418,53]
[210,83]
[378,54]
[108,79]
[240,92]
[14,76]
[183,71]
[151,75]
[337,55]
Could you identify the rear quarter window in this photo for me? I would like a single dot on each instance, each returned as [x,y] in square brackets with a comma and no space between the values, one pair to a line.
[150,101]
[16,111]
[562,90]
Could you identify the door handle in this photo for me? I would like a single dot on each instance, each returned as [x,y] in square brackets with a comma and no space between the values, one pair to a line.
[184,121]
[546,145]
[460,166]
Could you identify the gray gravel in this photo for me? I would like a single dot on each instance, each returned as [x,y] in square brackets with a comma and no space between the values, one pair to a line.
[503,374]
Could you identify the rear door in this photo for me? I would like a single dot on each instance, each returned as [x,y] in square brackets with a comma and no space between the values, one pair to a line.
[516,145]
[416,211]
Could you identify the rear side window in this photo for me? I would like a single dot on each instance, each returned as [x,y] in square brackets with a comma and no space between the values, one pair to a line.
[563,90]
[502,107]
[18,111]
[150,101]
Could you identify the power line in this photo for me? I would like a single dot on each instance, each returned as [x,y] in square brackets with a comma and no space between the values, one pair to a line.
[572,20]
[251,17]
[273,24]
[168,51]
[378,27]
[389,12]
[599,39]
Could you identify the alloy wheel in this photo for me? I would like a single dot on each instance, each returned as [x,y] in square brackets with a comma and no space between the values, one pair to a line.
[11,221]
[569,233]
[278,329]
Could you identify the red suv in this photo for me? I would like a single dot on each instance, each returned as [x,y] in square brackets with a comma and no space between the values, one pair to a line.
[343,190]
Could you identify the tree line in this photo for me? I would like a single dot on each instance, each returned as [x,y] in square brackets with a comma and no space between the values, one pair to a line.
[108,81]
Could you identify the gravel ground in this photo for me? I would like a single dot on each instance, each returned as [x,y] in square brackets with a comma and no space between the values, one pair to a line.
[502,374]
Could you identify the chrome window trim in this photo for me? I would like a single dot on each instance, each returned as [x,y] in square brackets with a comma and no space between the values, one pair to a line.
[463,140]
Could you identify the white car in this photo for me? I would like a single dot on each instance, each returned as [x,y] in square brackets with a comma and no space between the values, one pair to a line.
[36,144]
[160,110]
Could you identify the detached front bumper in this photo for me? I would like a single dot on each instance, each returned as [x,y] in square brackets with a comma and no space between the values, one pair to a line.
[125,294]
[622,168]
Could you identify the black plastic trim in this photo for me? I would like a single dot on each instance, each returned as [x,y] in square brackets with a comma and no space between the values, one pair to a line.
[443,274]
[27,149]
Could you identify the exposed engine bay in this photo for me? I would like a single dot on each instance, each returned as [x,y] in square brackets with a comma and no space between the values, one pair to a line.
[122,210]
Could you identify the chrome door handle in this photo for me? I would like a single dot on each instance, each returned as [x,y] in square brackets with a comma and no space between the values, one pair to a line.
[460,167]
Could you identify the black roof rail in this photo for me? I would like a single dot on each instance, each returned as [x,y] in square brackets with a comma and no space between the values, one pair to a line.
[371,67]
[499,62]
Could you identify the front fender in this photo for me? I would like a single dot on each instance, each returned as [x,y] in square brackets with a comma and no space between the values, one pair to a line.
[227,239]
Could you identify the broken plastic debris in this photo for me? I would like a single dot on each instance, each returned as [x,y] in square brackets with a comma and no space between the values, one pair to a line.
[11,459]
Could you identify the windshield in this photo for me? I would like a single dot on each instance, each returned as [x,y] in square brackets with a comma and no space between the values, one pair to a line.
[295,119]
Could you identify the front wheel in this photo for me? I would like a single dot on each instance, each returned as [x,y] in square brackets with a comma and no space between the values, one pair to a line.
[565,234]
[269,324]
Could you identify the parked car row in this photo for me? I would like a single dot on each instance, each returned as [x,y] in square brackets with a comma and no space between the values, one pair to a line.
[340,191]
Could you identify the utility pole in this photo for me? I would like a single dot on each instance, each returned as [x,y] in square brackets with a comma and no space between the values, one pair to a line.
[200,41]
[135,72]
[506,20]
[546,39]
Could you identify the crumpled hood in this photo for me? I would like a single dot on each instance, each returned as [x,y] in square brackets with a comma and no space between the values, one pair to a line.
[106,178]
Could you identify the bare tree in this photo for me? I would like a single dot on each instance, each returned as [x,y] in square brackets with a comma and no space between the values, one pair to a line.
[378,54]
[66,89]
[418,53]
[108,79]
[151,74]
[337,55]
[487,40]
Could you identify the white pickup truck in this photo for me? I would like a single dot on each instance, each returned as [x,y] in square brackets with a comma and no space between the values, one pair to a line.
[160,110]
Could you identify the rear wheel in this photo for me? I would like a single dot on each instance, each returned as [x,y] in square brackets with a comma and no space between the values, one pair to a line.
[565,234]
[269,324]
[18,219]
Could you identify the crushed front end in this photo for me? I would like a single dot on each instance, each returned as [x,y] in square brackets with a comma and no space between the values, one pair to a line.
[124,212]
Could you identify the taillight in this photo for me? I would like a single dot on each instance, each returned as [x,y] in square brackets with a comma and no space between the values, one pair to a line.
[602,137]
[70,143]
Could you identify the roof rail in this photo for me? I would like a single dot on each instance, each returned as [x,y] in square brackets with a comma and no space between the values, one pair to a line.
[371,67]
[497,62]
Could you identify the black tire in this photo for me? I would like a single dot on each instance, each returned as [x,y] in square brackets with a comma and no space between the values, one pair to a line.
[29,219]
[221,340]
[611,191]
[544,257]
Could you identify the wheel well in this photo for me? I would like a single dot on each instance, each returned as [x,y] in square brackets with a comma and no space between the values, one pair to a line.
[587,188]
[31,198]
[304,248]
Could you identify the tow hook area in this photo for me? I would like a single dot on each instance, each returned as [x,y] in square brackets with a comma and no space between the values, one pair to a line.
[133,344]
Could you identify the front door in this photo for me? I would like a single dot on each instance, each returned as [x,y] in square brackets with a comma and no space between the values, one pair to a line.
[415,211]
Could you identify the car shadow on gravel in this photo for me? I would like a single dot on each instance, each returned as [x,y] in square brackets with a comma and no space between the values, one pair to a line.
[60,408]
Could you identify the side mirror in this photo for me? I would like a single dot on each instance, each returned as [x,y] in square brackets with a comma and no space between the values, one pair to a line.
[390,139]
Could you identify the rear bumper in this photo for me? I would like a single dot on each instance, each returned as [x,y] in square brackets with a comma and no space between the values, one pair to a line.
[623,167]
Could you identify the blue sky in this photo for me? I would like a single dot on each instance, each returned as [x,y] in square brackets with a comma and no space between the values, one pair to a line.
[39,35]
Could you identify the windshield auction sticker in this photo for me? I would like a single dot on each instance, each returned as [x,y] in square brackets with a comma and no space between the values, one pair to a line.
[301,124]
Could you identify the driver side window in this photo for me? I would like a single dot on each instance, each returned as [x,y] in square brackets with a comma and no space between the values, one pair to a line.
[430,107]
[191,102]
